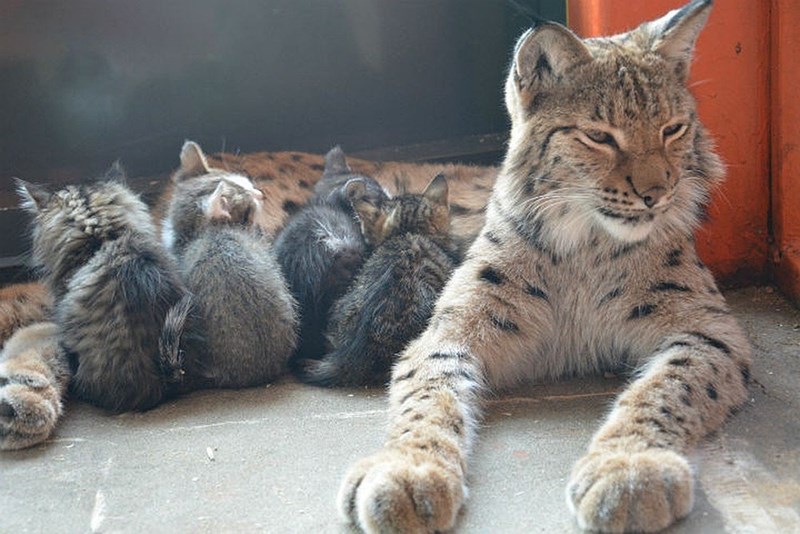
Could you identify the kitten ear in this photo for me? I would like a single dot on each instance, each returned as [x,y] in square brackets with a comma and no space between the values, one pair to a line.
[116,173]
[32,197]
[335,162]
[217,207]
[193,161]
[436,190]
[675,34]
[356,189]
[542,56]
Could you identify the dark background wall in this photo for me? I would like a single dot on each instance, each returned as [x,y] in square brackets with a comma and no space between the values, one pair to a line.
[85,82]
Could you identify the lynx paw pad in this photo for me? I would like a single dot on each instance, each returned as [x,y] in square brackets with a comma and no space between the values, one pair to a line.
[29,409]
[622,492]
[402,491]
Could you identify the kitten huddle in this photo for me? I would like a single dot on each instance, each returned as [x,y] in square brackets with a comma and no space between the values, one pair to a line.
[366,270]
[393,295]
[138,321]
[139,317]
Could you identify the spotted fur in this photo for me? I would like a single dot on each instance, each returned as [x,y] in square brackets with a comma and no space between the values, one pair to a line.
[586,263]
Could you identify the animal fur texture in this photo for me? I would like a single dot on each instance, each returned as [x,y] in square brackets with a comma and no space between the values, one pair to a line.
[114,288]
[287,180]
[243,326]
[34,375]
[586,263]
[321,248]
[393,296]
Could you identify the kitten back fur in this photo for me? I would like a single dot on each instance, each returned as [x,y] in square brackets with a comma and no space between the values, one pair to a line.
[321,247]
[243,326]
[114,286]
[393,296]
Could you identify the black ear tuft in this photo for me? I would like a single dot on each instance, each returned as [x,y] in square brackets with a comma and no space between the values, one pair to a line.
[674,35]
[543,55]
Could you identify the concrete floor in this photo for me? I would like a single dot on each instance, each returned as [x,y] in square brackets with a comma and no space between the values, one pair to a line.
[270,459]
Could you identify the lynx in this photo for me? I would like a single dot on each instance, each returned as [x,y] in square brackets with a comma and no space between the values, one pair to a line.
[586,262]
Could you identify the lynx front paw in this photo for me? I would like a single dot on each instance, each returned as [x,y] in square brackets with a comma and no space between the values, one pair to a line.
[613,491]
[405,491]
[29,409]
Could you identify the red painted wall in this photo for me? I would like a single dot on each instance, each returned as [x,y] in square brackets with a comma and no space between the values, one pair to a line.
[785,82]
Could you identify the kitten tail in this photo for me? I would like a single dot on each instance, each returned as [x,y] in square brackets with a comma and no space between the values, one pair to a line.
[169,344]
[343,367]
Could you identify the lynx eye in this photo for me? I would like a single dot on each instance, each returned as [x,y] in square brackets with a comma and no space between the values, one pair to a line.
[674,130]
[600,137]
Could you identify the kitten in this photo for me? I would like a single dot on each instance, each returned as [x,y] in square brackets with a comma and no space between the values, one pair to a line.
[330,188]
[393,296]
[115,289]
[244,325]
[321,248]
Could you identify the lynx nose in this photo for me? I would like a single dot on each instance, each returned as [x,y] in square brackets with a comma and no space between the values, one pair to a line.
[649,196]
[652,196]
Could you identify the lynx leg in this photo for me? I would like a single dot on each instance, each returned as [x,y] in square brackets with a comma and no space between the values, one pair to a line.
[21,305]
[482,326]
[417,482]
[635,476]
[34,375]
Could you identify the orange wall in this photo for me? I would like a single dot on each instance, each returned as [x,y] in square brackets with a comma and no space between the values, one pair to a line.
[786,144]
[730,81]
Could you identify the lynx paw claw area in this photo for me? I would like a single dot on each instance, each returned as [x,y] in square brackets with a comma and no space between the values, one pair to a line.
[402,491]
[613,491]
[29,410]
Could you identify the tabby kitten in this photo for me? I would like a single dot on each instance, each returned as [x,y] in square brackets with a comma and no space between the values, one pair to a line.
[115,289]
[321,248]
[393,296]
[244,326]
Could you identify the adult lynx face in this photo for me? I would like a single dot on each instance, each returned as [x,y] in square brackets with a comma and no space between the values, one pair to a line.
[614,125]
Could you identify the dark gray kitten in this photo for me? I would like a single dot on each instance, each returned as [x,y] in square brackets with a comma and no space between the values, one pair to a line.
[321,248]
[118,299]
[392,297]
[244,325]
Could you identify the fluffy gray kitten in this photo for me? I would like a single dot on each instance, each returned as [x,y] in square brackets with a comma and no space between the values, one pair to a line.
[392,297]
[118,299]
[244,324]
[320,249]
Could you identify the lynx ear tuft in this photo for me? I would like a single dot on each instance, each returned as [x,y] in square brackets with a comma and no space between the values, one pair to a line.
[544,54]
[674,35]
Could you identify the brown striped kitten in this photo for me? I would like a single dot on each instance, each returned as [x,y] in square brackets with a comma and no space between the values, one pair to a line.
[116,290]
[586,263]
[392,297]
[243,325]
